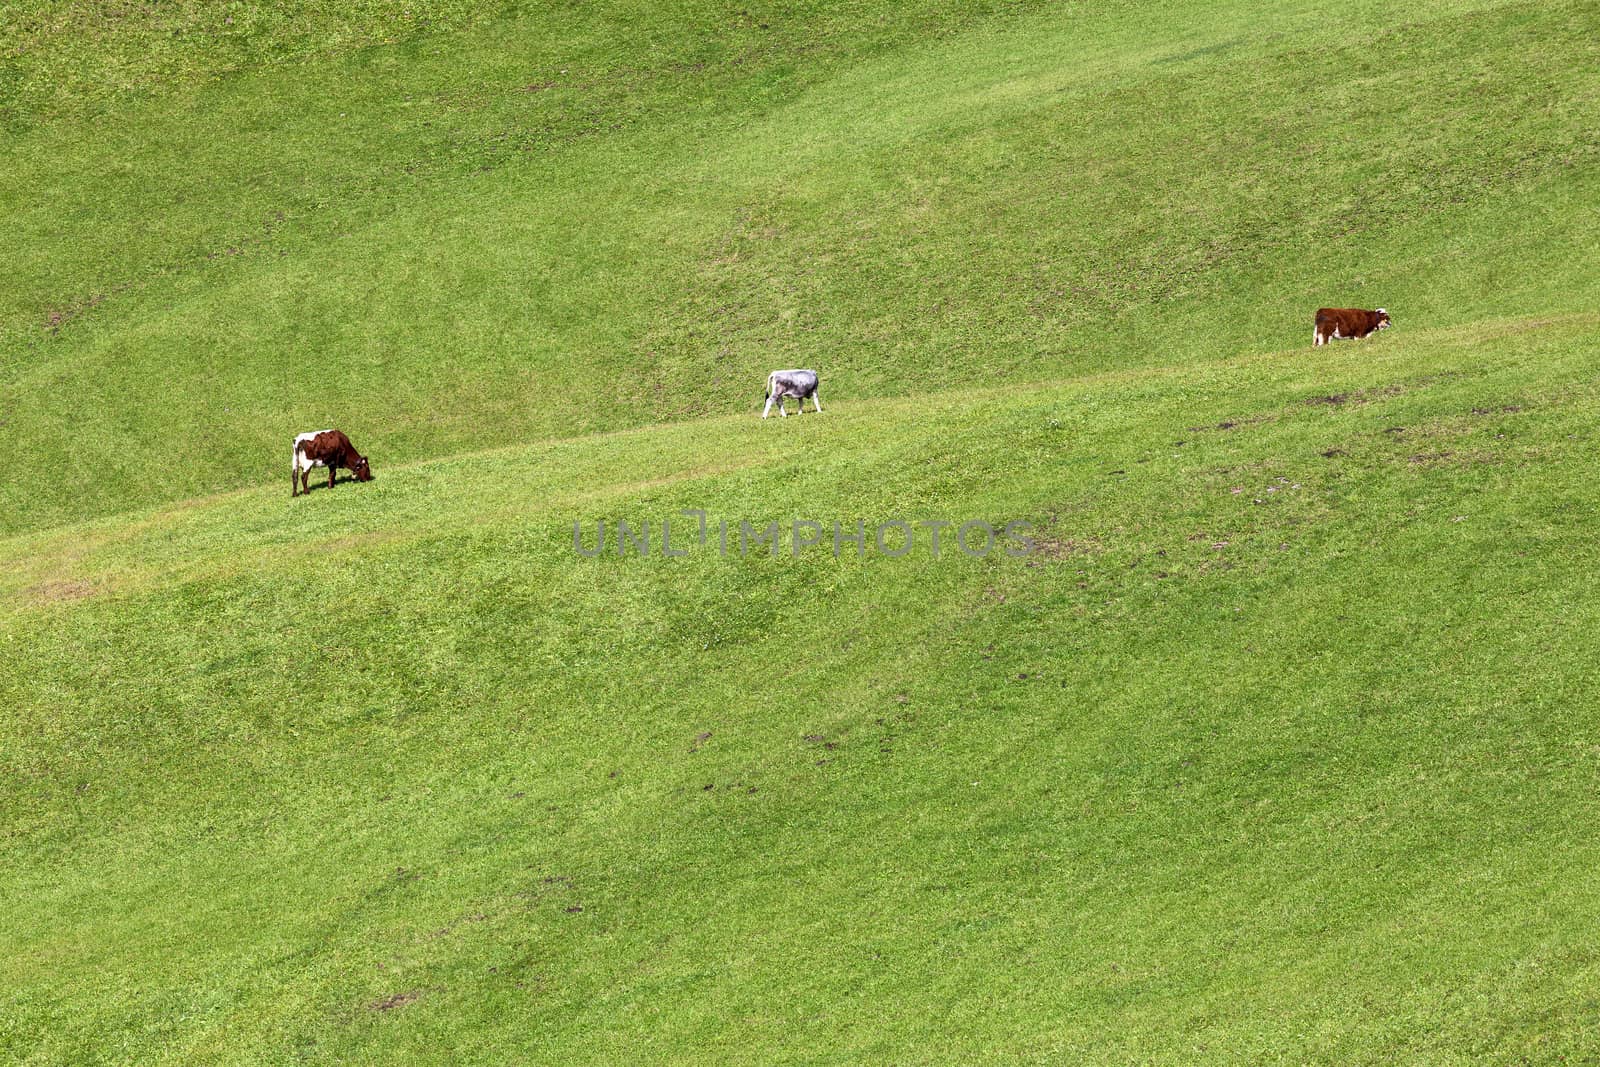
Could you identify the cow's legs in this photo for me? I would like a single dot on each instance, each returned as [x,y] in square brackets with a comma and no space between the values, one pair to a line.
[816,402]
[782,413]
[768,409]
[331,471]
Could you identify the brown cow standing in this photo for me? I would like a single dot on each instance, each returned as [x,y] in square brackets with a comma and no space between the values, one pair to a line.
[1334,324]
[324,448]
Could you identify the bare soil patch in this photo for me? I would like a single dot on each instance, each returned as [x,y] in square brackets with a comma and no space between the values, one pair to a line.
[394,1000]
[63,589]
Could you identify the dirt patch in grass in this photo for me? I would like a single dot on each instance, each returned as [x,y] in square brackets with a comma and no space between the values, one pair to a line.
[57,317]
[1375,393]
[1234,424]
[1048,544]
[58,590]
[394,1000]
[1359,396]
[1066,547]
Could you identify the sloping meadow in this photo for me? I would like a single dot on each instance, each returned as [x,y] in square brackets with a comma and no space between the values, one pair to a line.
[1274,746]
[541,226]
[1275,743]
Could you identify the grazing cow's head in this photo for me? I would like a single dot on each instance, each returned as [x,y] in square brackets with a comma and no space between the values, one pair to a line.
[362,469]
[1383,319]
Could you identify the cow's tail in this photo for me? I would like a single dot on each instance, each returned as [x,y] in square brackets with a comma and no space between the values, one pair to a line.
[770,377]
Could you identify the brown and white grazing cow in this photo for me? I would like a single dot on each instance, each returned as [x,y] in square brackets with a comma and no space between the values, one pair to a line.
[324,448]
[1334,324]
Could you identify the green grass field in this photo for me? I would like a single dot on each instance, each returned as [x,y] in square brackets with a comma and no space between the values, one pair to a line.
[1282,745]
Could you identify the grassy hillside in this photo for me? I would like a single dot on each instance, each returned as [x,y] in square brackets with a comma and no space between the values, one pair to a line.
[451,244]
[1279,748]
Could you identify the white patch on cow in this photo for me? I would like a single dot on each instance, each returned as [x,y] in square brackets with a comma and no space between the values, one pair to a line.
[299,462]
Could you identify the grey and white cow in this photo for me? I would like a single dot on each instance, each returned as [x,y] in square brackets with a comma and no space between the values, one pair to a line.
[796,383]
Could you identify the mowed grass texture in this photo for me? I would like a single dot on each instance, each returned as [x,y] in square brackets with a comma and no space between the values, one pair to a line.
[1279,748]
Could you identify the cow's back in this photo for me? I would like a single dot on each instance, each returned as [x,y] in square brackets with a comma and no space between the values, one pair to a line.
[794,382]
[321,445]
[1347,318]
